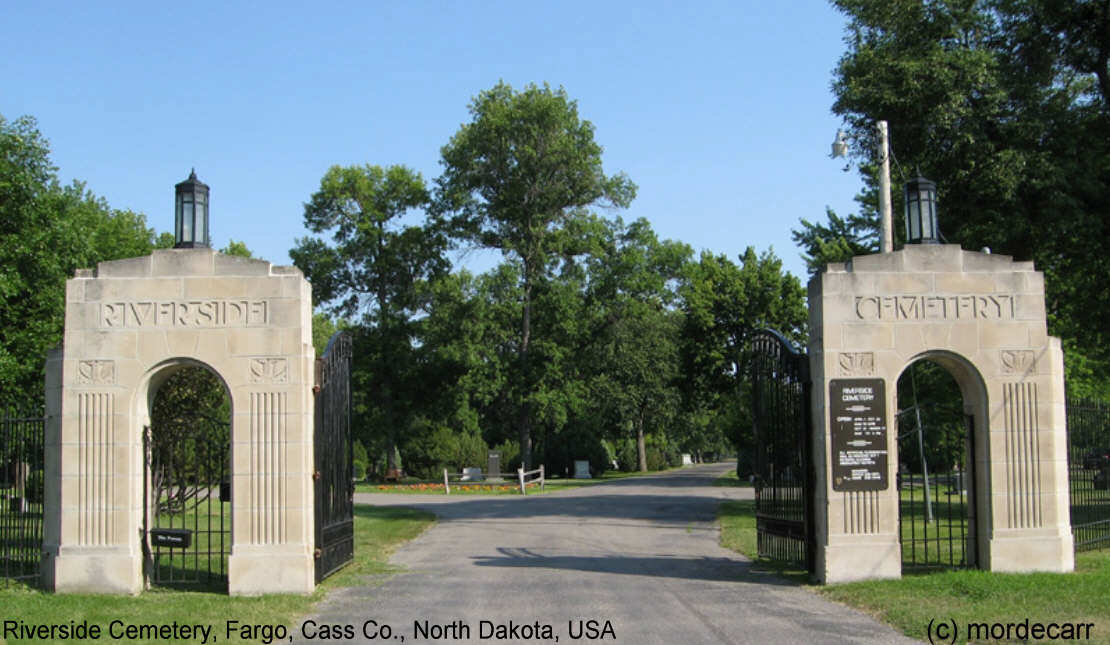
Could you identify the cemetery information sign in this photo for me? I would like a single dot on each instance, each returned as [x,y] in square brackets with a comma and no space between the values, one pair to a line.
[859,434]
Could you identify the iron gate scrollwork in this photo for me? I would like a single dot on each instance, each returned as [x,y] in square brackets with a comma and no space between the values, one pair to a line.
[334,486]
[783,464]
[187,514]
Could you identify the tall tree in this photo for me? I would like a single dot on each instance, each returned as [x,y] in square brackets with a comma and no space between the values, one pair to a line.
[515,179]
[47,231]
[372,269]
[724,304]
[634,335]
[1004,103]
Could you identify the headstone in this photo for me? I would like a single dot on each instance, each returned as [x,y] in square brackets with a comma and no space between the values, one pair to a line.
[581,469]
[687,460]
[493,470]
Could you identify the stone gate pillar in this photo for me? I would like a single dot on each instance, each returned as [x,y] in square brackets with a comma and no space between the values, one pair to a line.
[129,323]
[982,317]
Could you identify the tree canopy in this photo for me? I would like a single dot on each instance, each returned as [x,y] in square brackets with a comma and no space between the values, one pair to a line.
[1004,104]
[518,178]
[47,231]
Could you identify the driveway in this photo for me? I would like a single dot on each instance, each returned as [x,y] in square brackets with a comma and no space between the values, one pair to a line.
[630,561]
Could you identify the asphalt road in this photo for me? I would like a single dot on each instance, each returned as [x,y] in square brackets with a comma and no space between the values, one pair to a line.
[638,557]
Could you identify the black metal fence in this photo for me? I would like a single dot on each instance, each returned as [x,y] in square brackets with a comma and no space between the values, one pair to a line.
[1089,472]
[783,467]
[21,496]
[334,487]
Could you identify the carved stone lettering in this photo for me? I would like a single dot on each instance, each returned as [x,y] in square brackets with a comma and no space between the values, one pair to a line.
[183,314]
[96,372]
[1018,361]
[268,370]
[857,363]
[997,306]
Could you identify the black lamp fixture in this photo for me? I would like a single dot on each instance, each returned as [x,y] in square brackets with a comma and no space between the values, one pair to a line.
[191,213]
[921,211]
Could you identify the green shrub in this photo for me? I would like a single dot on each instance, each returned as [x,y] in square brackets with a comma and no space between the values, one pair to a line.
[626,455]
[359,470]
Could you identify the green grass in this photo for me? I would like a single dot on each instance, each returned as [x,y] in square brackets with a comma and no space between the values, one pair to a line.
[731,479]
[378,531]
[966,596]
[737,519]
[508,487]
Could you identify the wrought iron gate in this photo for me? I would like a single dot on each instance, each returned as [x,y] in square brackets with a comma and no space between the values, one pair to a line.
[21,496]
[187,502]
[335,489]
[936,484]
[783,464]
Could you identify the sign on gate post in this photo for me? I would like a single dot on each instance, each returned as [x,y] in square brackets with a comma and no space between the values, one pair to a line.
[859,434]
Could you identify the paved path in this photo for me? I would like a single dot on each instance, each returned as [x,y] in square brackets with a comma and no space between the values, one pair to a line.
[639,554]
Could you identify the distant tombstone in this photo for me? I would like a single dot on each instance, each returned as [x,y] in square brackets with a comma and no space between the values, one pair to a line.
[581,469]
[471,474]
[687,460]
[493,471]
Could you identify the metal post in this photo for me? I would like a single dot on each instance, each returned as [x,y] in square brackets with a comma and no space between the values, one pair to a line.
[886,241]
[921,451]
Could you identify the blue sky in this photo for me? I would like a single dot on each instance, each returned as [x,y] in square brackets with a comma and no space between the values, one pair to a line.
[719,111]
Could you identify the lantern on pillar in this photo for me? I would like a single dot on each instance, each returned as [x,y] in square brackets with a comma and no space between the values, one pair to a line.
[191,213]
[921,212]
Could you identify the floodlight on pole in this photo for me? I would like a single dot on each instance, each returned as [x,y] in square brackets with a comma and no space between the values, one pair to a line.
[840,149]
[840,145]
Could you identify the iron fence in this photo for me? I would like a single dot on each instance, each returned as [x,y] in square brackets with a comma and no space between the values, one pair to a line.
[1089,472]
[783,467]
[21,496]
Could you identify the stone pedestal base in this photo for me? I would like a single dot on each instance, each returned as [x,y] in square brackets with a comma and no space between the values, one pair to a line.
[93,570]
[1032,550]
[860,557]
[254,574]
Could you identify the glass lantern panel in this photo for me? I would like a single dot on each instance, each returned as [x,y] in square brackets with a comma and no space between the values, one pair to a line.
[913,220]
[202,224]
[927,232]
[187,221]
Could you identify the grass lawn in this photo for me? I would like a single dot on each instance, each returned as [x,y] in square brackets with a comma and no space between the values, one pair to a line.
[378,531]
[967,597]
[508,487]
[731,479]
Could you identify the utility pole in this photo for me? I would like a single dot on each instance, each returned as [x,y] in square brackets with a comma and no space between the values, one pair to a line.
[886,242]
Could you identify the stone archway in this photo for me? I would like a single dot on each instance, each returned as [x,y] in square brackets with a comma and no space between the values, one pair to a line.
[957,524]
[129,322]
[983,317]
[184,408]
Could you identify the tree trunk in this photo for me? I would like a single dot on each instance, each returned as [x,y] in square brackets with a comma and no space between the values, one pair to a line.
[525,428]
[641,448]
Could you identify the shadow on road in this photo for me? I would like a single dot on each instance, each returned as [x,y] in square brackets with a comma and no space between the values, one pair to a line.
[687,568]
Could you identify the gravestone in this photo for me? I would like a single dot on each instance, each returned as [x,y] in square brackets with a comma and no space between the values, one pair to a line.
[582,469]
[493,470]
